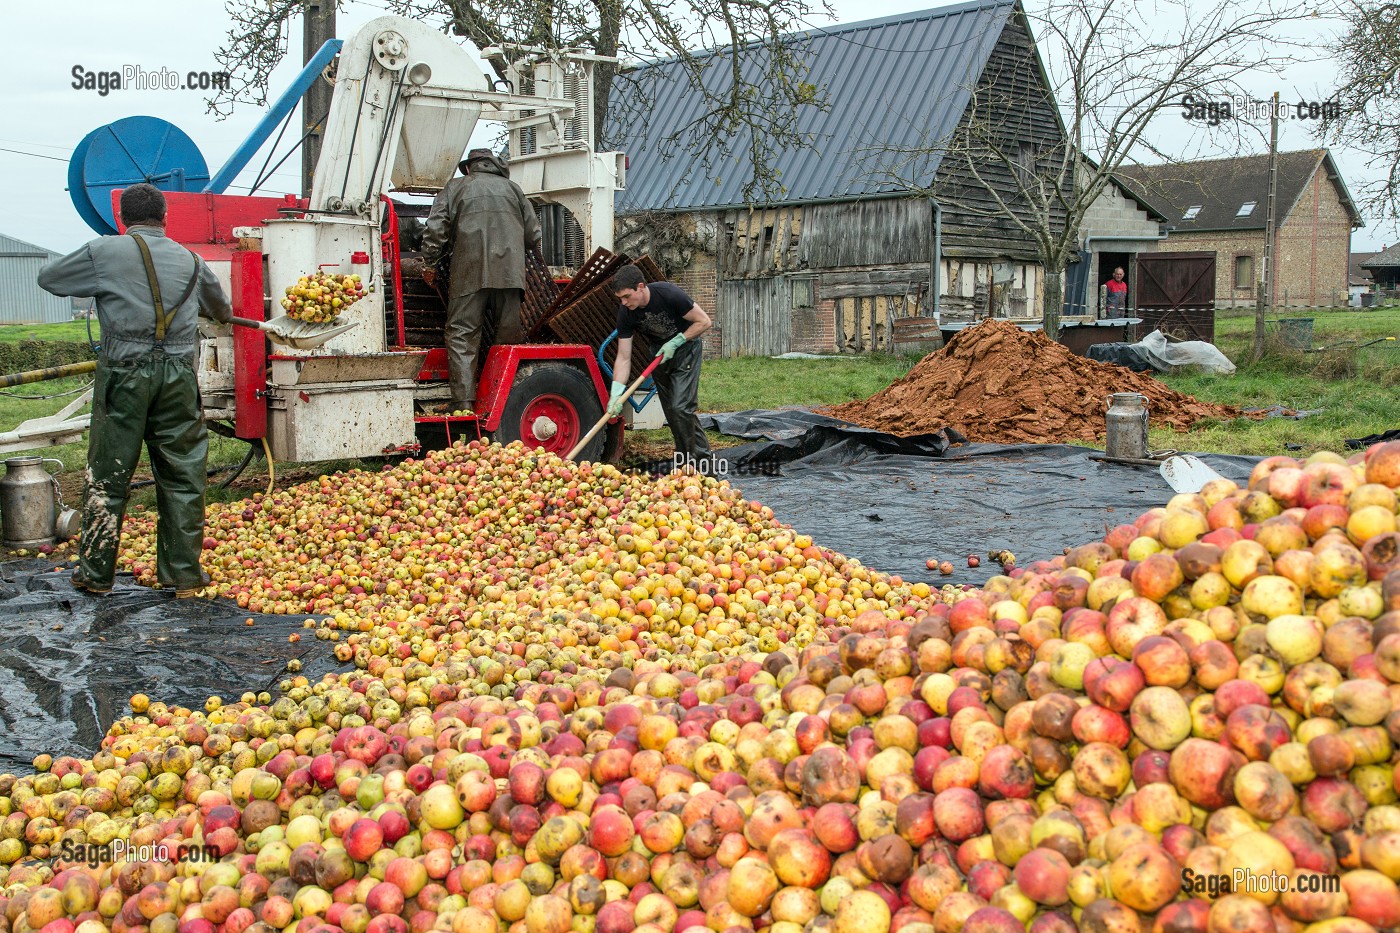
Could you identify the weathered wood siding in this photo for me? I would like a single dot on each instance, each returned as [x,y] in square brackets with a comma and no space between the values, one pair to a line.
[759,242]
[756,315]
[1013,98]
[873,322]
[890,231]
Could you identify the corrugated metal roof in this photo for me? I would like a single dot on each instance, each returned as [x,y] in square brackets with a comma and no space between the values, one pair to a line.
[9,246]
[891,84]
[22,301]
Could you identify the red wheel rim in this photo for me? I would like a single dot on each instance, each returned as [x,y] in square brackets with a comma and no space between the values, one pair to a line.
[544,410]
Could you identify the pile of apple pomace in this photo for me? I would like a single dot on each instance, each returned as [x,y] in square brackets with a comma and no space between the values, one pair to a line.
[591,702]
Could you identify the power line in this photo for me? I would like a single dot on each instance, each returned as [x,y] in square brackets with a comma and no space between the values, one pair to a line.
[26,142]
[35,155]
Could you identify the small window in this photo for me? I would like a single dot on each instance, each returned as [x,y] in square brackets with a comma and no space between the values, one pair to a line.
[801,293]
[1244,271]
[1191,212]
[1246,209]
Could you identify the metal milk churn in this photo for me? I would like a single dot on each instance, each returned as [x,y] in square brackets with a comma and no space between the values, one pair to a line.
[1127,426]
[28,502]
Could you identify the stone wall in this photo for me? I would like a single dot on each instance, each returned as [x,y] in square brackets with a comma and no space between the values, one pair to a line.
[1313,245]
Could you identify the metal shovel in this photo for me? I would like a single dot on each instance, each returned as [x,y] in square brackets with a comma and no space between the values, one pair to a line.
[300,335]
[1186,473]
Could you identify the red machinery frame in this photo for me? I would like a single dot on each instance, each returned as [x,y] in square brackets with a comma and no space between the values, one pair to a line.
[249,346]
[204,218]
[205,223]
[498,375]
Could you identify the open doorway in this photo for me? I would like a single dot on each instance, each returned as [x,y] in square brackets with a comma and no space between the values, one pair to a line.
[1104,274]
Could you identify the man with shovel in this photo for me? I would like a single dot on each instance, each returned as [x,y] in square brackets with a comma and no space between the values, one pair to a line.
[674,322]
[149,292]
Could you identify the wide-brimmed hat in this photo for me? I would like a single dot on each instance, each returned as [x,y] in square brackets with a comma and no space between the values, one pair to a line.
[479,155]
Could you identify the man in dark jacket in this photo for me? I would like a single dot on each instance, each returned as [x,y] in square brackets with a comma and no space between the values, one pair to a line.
[149,291]
[490,224]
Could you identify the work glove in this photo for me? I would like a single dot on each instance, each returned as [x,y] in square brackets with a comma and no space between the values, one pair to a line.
[615,399]
[669,348]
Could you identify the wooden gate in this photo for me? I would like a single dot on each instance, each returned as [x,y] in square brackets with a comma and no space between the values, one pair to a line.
[1176,294]
[755,316]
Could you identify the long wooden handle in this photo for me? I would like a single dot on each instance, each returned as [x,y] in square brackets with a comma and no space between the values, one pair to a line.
[605,419]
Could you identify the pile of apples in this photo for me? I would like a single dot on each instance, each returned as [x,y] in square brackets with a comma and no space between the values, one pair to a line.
[481,540]
[320,298]
[566,738]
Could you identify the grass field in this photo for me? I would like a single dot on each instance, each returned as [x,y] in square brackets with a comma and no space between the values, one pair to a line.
[67,332]
[1355,392]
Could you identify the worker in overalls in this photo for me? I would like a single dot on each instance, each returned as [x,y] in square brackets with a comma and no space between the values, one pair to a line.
[149,291]
[488,224]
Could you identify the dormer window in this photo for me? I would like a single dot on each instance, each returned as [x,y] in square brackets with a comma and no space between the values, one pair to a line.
[1246,209]
[1191,212]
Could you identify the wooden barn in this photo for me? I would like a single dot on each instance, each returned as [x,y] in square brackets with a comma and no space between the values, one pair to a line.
[847,259]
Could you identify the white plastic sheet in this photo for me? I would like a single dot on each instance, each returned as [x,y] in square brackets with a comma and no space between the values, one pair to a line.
[1166,357]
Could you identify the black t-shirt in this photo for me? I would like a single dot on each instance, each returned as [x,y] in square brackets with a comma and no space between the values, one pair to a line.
[662,318]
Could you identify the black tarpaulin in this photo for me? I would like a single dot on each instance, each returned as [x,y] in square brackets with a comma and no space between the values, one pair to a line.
[1361,443]
[69,661]
[895,509]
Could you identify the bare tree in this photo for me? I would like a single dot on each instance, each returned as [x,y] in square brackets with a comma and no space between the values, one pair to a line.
[750,37]
[1368,94]
[1031,157]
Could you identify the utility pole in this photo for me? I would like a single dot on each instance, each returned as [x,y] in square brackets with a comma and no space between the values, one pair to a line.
[318,25]
[1265,298]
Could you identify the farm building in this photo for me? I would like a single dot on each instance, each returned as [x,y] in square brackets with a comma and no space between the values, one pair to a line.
[1384,268]
[1360,281]
[22,301]
[1216,211]
[847,258]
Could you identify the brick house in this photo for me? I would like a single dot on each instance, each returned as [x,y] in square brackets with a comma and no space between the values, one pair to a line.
[1219,205]
[846,259]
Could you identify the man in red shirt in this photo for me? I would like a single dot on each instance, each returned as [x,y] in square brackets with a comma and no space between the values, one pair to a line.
[1116,304]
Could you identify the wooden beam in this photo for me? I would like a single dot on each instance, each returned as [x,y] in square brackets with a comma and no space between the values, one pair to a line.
[865,291]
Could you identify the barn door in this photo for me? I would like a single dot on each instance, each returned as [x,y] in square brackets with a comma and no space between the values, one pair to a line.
[755,316]
[1176,293]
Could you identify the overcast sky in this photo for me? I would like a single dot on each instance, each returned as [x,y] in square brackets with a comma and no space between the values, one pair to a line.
[46,116]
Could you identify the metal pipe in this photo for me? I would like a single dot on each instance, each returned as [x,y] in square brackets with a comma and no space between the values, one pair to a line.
[53,372]
[935,278]
[284,105]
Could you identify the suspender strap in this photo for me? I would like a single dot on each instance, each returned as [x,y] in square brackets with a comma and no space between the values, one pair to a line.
[162,319]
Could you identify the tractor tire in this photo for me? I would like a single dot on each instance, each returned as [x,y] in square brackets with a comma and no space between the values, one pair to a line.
[552,405]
